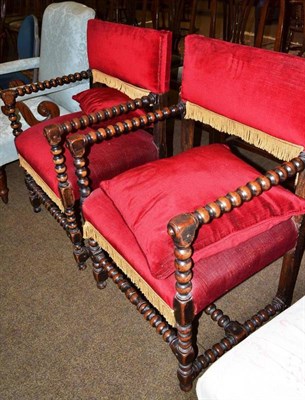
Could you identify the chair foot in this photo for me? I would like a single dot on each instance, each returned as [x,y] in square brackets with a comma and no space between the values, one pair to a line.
[81,256]
[3,185]
[101,285]
[98,257]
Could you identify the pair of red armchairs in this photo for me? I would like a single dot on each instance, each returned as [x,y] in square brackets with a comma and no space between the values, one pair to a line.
[177,233]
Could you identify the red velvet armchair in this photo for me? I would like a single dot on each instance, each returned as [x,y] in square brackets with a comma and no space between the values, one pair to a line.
[178,233]
[130,69]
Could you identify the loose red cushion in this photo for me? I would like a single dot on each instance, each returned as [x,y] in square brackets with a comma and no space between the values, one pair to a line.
[259,88]
[147,197]
[140,56]
[106,159]
[95,99]
[212,276]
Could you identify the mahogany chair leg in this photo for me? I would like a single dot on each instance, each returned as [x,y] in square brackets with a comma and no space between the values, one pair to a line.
[98,257]
[290,269]
[34,199]
[3,185]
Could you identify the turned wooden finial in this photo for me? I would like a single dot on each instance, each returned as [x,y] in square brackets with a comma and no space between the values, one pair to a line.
[53,133]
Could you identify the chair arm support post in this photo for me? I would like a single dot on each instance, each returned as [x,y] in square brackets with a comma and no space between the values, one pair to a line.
[183,230]
[9,109]
[55,139]
[76,143]
[54,135]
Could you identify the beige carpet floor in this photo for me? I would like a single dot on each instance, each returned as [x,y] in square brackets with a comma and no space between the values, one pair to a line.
[62,338]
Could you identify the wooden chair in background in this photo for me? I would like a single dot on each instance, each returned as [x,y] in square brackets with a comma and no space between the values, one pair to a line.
[12,15]
[235,17]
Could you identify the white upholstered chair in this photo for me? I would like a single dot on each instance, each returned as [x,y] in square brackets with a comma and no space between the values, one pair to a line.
[271,361]
[63,52]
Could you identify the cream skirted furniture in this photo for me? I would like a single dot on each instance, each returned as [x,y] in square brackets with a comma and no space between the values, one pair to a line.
[63,24]
[272,361]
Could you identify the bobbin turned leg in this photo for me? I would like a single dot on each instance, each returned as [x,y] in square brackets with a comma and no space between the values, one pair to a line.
[80,251]
[290,269]
[186,356]
[34,198]
[183,230]
[98,256]
[292,260]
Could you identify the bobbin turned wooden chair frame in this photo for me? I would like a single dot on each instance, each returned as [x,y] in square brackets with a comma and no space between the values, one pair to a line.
[172,282]
[48,176]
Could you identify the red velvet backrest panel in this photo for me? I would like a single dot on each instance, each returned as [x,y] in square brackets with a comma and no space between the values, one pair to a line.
[140,56]
[260,88]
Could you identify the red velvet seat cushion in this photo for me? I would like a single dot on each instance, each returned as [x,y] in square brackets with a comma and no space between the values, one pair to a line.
[106,159]
[267,86]
[95,99]
[140,56]
[147,197]
[213,275]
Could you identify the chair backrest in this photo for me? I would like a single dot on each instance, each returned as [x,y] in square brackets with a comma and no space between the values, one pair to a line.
[28,38]
[121,54]
[63,47]
[252,93]
[28,41]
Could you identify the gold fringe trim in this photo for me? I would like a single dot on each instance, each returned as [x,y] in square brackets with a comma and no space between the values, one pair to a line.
[40,182]
[279,148]
[89,231]
[131,91]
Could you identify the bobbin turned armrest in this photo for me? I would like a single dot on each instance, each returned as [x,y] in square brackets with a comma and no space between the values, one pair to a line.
[13,99]
[184,227]
[79,144]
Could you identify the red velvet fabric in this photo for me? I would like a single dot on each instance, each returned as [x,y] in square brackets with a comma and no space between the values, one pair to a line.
[260,88]
[139,56]
[213,276]
[106,159]
[95,99]
[147,197]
